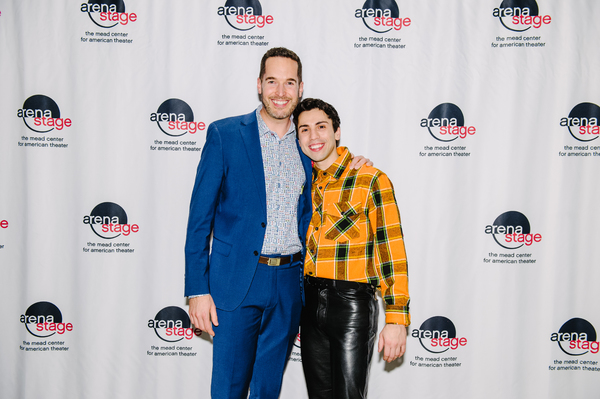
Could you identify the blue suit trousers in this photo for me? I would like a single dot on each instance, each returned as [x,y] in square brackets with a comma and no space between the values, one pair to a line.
[253,342]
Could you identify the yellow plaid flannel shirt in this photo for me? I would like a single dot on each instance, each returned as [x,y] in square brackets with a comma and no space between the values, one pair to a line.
[355,233]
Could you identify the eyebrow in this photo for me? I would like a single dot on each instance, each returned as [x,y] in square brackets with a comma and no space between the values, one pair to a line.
[316,124]
[287,80]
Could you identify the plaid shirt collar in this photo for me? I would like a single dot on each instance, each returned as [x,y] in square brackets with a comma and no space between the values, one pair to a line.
[337,168]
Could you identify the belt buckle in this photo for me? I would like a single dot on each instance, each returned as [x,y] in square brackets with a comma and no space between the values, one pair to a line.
[274,261]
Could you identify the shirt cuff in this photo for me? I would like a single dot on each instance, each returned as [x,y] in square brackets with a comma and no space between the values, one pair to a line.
[397,318]
[196,296]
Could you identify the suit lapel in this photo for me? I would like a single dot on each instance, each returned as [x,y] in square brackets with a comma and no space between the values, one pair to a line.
[305,200]
[249,133]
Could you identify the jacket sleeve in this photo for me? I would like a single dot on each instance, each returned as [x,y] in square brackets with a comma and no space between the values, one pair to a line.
[205,197]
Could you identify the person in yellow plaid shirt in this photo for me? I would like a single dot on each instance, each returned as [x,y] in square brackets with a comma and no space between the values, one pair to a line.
[354,246]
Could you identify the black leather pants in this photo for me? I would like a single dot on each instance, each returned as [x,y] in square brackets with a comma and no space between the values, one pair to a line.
[338,329]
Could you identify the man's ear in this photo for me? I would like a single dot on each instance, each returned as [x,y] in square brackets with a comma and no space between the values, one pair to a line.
[258,86]
[301,89]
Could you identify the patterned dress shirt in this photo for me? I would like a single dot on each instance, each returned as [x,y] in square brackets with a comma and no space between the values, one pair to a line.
[284,180]
[355,233]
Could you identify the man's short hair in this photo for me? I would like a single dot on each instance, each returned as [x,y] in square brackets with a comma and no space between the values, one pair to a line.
[280,52]
[309,104]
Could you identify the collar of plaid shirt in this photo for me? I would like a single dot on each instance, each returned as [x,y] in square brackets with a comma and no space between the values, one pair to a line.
[337,168]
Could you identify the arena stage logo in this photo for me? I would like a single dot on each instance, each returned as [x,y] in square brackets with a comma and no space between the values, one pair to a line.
[582,122]
[446,122]
[382,16]
[109,220]
[511,230]
[438,335]
[175,118]
[244,15]
[577,337]
[172,324]
[41,114]
[108,13]
[520,15]
[44,319]
[297,341]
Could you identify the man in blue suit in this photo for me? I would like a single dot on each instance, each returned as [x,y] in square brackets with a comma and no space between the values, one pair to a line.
[252,197]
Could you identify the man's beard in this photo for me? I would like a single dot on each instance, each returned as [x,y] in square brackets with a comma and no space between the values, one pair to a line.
[280,113]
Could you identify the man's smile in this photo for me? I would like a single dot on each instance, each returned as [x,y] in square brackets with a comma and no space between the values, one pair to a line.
[280,102]
[316,147]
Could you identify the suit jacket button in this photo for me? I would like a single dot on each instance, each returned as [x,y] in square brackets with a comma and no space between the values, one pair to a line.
[255,253]
[263,224]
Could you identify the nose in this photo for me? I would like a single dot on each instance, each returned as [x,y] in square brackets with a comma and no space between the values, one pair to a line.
[280,90]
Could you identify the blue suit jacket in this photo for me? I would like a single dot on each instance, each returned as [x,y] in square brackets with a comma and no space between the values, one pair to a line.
[229,200]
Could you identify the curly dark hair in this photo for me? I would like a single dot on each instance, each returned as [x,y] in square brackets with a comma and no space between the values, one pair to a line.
[314,103]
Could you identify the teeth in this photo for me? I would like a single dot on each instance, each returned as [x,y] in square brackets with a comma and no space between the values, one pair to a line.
[316,147]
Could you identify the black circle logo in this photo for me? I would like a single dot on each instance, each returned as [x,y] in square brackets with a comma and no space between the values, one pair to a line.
[446,123]
[175,118]
[438,334]
[109,220]
[577,337]
[380,16]
[36,110]
[243,14]
[511,9]
[44,319]
[172,324]
[583,122]
[511,230]
[105,13]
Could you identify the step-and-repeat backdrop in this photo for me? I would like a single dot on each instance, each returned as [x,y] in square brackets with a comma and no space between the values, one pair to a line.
[483,113]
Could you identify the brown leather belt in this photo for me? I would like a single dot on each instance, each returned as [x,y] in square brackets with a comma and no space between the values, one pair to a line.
[280,260]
